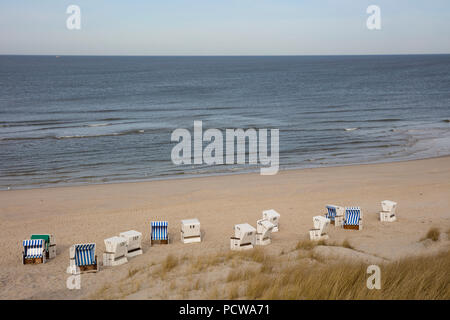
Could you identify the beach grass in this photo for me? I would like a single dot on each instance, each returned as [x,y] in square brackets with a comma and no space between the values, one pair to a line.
[255,274]
[433,234]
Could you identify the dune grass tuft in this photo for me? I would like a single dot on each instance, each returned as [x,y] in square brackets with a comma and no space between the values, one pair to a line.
[346,244]
[233,291]
[433,234]
[169,263]
[305,245]
[132,272]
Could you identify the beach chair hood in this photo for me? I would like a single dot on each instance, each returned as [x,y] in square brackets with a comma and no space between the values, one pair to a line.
[33,248]
[133,239]
[84,254]
[116,245]
[388,205]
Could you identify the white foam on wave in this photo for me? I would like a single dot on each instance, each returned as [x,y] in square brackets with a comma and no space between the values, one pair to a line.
[98,124]
[351,129]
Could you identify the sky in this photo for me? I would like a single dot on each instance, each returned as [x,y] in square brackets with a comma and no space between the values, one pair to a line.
[224,27]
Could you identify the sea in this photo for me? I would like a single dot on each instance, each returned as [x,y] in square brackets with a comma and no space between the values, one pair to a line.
[71,120]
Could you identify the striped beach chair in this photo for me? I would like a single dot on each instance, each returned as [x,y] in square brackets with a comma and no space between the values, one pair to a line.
[353,218]
[335,214]
[33,251]
[82,258]
[158,231]
[331,213]
[50,245]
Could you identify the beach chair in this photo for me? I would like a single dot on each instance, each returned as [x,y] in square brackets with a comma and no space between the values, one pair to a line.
[190,231]
[244,237]
[159,232]
[335,214]
[273,217]
[50,245]
[82,258]
[320,225]
[134,239]
[33,251]
[353,218]
[116,250]
[387,213]
[263,232]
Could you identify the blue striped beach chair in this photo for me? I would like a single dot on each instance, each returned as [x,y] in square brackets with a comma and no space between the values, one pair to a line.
[159,232]
[33,251]
[83,258]
[50,245]
[331,213]
[353,218]
[335,214]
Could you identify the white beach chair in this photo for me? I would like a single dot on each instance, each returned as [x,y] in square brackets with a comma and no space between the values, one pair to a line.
[387,213]
[335,214]
[116,251]
[159,232]
[320,225]
[134,240]
[353,218]
[190,231]
[273,217]
[244,237]
[263,232]
[82,258]
[33,251]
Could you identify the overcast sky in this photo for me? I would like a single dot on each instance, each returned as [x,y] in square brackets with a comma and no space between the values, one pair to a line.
[224,27]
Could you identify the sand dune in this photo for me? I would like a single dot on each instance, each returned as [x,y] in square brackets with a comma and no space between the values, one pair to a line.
[93,213]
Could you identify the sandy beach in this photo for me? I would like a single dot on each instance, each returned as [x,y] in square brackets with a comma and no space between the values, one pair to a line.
[95,212]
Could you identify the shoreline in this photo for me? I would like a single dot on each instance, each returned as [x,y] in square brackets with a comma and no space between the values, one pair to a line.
[196,176]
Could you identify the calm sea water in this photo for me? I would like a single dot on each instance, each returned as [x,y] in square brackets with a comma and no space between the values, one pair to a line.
[72,120]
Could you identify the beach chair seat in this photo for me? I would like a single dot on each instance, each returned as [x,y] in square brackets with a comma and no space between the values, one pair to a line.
[50,244]
[134,241]
[82,258]
[319,231]
[244,237]
[33,251]
[159,234]
[387,213]
[273,217]
[353,218]
[335,214]
[116,250]
[190,231]
[263,232]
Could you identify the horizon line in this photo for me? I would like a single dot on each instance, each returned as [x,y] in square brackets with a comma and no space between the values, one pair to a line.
[220,55]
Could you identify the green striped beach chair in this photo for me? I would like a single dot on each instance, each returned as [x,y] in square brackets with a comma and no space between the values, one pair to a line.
[50,245]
